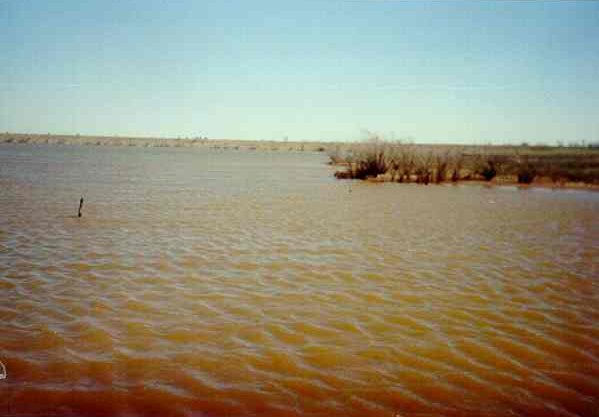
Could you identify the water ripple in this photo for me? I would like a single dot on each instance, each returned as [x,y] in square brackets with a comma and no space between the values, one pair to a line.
[194,286]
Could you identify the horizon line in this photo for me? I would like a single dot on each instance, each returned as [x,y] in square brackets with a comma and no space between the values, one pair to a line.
[407,141]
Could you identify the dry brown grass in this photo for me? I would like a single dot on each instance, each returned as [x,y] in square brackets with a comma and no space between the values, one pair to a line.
[423,164]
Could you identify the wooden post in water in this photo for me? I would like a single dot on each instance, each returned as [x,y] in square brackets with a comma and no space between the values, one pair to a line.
[80,207]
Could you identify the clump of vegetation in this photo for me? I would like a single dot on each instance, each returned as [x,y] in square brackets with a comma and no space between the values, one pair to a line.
[457,165]
[371,160]
[487,168]
[582,168]
[525,170]
[403,162]
[393,161]
[425,164]
[424,169]
[441,165]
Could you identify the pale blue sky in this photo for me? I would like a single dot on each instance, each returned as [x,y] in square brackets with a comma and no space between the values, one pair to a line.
[443,71]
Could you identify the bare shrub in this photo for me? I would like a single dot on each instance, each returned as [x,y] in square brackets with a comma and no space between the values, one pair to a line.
[372,159]
[441,164]
[457,164]
[487,167]
[424,168]
[406,160]
[525,170]
[399,157]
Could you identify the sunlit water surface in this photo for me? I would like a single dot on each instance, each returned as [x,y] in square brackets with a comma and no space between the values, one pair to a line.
[227,283]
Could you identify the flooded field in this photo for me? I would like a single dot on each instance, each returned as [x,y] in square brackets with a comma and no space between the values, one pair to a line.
[237,283]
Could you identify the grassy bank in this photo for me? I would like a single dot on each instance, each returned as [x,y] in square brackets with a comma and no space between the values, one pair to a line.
[377,159]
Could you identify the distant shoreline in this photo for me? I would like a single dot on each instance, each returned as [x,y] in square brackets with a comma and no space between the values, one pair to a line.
[155,142]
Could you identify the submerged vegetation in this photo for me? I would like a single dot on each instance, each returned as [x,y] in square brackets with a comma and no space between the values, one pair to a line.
[381,160]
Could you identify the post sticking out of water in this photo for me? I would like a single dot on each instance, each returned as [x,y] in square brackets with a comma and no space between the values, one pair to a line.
[80,207]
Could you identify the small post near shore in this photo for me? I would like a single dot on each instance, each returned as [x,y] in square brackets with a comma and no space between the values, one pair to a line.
[80,207]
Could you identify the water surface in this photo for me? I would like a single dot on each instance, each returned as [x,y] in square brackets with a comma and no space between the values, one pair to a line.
[227,283]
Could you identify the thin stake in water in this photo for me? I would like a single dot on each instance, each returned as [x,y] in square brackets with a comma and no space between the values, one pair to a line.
[80,207]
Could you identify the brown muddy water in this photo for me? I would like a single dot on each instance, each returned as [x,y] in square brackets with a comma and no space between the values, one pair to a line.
[224,283]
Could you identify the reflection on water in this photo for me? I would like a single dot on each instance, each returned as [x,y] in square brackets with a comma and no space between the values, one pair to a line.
[253,283]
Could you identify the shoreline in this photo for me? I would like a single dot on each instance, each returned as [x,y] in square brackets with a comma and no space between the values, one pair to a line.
[542,184]
[156,142]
